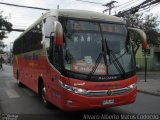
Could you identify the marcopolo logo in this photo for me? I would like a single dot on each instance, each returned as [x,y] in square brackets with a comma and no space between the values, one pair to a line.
[109,92]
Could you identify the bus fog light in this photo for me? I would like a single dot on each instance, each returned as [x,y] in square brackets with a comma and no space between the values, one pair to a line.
[69,102]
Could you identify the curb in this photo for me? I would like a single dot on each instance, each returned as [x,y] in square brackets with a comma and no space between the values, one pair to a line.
[150,93]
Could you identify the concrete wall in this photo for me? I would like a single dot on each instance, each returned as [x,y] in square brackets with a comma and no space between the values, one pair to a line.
[141,61]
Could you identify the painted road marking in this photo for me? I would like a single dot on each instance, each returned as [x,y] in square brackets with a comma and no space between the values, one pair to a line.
[12,93]
[10,83]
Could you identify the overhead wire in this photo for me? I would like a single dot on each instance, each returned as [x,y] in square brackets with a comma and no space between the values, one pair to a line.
[138,7]
[121,6]
[149,8]
[90,2]
[124,5]
[23,6]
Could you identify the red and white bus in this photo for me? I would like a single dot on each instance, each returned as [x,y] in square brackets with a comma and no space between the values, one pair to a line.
[78,60]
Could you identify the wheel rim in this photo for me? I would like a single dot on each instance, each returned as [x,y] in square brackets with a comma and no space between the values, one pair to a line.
[18,82]
[44,95]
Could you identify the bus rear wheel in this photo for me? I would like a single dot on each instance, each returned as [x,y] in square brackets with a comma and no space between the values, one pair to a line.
[43,96]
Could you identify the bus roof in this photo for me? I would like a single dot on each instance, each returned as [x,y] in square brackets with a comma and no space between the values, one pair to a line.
[72,13]
[84,14]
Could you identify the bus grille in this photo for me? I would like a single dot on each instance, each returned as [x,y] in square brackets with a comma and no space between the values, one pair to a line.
[108,92]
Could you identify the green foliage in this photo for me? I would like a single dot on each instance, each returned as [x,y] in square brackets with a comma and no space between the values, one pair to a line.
[147,23]
[2,45]
[5,28]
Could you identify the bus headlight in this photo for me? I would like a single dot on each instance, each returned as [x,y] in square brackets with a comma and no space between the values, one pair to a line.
[73,89]
[132,86]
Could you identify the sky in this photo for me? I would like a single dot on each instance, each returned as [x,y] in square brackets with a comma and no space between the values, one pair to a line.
[22,18]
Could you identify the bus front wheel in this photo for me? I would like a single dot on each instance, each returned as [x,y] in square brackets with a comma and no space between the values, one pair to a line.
[43,96]
[18,81]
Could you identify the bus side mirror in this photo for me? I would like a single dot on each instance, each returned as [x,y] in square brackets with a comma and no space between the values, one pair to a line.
[142,36]
[58,33]
[52,36]
[51,47]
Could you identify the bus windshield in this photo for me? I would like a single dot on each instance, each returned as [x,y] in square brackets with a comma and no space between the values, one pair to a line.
[84,45]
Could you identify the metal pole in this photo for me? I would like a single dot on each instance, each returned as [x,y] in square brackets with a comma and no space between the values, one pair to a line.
[57,6]
[10,53]
[110,10]
[11,43]
[145,65]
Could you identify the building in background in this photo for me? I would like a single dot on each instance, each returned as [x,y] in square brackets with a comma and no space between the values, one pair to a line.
[153,58]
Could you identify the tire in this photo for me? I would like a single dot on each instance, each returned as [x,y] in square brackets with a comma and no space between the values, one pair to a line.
[19,83]
[46,103]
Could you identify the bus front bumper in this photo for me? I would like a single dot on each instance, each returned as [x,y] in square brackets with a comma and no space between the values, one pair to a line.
[74,102]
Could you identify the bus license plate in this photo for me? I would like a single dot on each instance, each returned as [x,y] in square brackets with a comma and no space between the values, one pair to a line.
[108,102]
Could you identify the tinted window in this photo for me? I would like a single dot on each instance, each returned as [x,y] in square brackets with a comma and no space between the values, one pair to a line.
[29,41]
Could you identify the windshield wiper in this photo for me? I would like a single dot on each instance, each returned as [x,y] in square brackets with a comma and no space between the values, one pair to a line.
[102,54]
[110,53]
[98,60]
[116,62]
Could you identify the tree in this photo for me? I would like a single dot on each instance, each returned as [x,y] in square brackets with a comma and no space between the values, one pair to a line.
[148,24]
[5,28]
